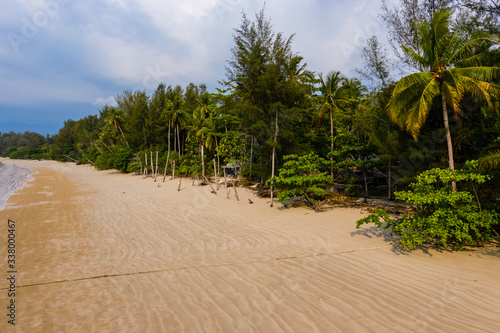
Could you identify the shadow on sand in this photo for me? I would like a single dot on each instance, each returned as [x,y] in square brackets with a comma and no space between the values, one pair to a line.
[491,248]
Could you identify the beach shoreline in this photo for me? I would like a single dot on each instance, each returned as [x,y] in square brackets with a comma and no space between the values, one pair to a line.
[106,251]
[12,178]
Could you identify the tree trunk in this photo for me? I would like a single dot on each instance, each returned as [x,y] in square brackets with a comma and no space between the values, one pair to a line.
[366,183]
[168,153]
[123,135]
[202,161]
[218,157]
[152,165]
[179,140]
[331,145]
[175,139]
[235,192]
[448,137]
[274,157]
[225,183]
[389,182]
[216,180]
[156,167]
[251,157]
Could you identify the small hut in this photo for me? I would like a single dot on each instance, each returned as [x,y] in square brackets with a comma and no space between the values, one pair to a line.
[232,170]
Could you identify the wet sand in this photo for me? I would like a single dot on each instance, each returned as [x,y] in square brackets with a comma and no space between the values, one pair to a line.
[100,251]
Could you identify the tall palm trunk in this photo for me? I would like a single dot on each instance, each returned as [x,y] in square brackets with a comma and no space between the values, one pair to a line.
[202,161]
[123,136]
[175,139]
[169,136]
[448,136]
[179,140]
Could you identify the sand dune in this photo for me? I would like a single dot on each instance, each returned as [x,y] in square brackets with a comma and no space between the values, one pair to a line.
[100,251]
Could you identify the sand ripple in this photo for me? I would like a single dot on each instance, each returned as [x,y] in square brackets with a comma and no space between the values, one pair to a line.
[107,252]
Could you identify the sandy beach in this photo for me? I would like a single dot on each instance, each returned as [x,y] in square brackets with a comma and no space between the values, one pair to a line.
[102,251]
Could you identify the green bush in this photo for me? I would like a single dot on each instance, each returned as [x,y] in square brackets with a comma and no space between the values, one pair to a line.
[121,158]
[353,190]
[302,176]
[104,161]
[117,158]
[450,217]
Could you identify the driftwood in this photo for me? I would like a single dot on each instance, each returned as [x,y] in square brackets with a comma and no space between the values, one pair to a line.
[179,187]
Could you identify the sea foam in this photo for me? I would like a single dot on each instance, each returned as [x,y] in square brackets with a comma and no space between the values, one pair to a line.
[12,178]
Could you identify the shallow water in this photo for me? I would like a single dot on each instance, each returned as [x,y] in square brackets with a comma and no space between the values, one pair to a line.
[12,178]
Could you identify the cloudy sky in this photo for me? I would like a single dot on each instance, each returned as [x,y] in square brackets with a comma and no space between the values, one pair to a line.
[62,59]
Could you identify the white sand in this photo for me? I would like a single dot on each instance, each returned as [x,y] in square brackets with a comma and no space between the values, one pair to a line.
[101,251]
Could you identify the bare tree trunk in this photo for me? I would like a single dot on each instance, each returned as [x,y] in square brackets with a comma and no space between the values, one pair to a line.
[152,165]
[389,181]
[98,148]
[235,192]
[366,183]
[139,158]
[274,157]
[216,181]
[175,139]
[173,169]
[218,157]
[251,157]
[156,168]
[179,140]
[331,144]
[202,161]
[168,154]
[225,183]
[451,161]
[123,135]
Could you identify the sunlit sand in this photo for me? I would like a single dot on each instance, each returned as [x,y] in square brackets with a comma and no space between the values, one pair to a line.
[101,251]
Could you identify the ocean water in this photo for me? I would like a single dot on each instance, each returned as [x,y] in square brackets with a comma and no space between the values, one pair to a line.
[12,178]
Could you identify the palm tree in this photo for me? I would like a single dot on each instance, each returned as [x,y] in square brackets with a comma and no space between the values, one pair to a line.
[176,115]
[198,130]
[452,67]
[115,120]
[334,95]
[298,73]
[205,104]
[211,142]
[355,89]
[490,161]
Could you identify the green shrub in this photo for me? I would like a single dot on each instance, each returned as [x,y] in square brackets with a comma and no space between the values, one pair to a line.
[451,218]
[301,176]
[121,158]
